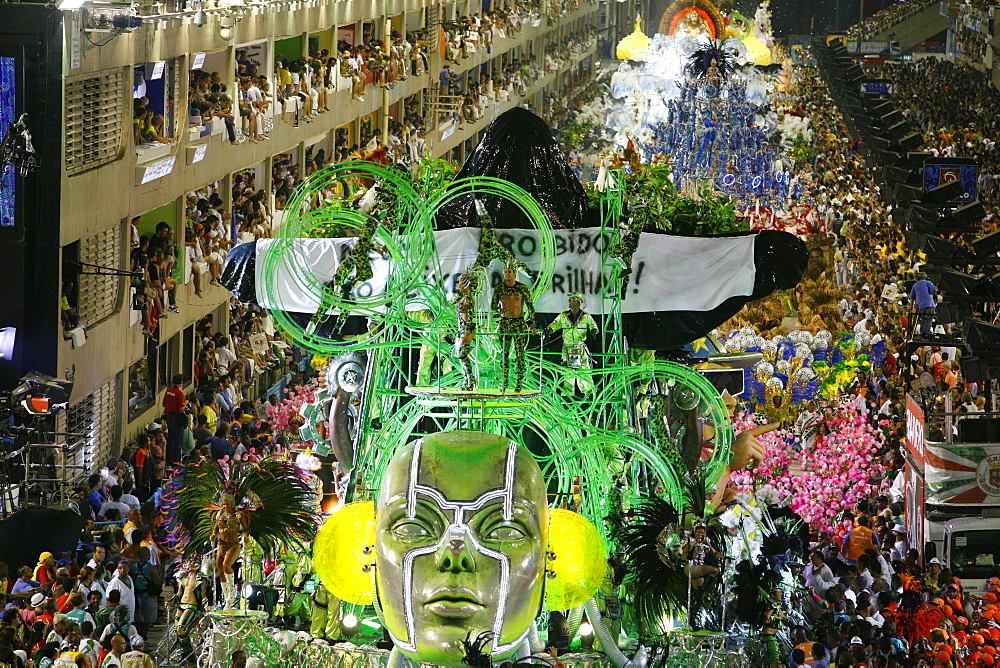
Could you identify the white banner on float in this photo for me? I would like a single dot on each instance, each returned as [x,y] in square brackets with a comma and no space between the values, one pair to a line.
[669,273]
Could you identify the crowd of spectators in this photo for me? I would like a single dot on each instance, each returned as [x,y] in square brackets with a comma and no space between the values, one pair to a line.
[154,258]
[147,125]
[95,606]
[510,79]
[967,130]
[254,98]
[467,35]
[206,237]
[380,63]
[886,18]
[208,98]
[873,598]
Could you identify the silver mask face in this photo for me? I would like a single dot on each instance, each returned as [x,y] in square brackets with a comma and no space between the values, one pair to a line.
[460,545]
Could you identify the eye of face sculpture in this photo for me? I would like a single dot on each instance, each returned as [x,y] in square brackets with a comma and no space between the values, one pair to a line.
[460,537]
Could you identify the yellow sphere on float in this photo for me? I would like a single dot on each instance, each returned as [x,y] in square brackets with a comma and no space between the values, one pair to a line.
[344,555]
[757,51]
[633,46]
[580,563]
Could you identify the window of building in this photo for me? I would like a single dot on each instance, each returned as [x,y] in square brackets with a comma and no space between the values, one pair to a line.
[168,361]
[141,393]
[187,354]
[92,114]
[209,93]
[155,88]
[94,417]
[99,296]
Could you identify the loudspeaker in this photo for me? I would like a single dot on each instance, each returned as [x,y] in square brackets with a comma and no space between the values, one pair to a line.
[953,283]
[987,245]
[915,160]
[944,251]
[905,193]
[29,532]
[983,338]
[974,370]
[899,175]
[892,118]
[899,130]
[965,216]
[979,430]
[942,193]
[911,141]
[920,214]
[952,312]
[881,109]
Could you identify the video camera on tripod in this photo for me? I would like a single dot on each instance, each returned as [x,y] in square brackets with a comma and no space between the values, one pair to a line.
[26,423]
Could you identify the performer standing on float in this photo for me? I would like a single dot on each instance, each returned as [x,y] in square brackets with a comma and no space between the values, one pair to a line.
[699,570]
[575,325]
[230,528]
[465,303]
[512,301]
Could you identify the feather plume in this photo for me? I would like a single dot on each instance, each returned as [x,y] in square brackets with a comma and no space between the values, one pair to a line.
[277,500]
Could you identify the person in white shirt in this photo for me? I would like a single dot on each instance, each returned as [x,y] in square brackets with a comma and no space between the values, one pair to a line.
[89,645]
[128,498]
[58,629]
[807,426]
[116,503]
[122,582]
[254,100]
[224,355]
[98,557]
[900,547]
[818,575]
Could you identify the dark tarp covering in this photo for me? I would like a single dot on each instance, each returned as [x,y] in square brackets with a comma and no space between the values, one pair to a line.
[518,147]
[239,274]
[27,533]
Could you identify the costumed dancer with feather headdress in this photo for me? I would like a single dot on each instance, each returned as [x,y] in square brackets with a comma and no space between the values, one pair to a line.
[209,502]
[228,533]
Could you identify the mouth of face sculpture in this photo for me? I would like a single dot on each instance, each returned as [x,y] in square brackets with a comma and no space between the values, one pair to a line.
[449,603]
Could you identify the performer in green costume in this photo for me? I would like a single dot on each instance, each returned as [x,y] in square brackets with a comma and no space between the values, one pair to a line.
[512,300]
[465,303]
[575,324]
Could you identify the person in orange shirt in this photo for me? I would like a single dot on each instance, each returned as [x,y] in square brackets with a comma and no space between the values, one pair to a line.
[859,539]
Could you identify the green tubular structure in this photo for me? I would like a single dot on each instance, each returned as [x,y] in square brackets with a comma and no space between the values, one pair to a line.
[596,441]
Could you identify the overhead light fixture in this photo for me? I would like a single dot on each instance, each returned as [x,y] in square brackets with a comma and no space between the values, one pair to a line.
[199,18]
[69,5]
[7,338]
[41,394]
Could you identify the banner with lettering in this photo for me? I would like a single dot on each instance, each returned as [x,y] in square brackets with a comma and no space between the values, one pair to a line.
[669,273]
